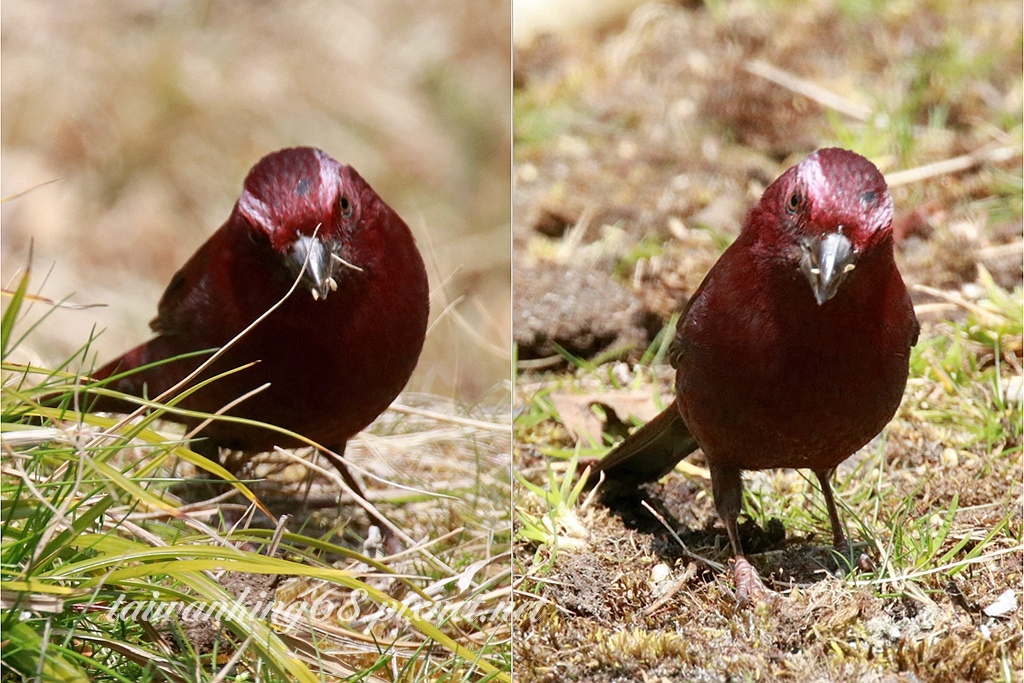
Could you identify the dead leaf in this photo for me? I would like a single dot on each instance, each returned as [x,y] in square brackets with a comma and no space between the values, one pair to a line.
[583,423]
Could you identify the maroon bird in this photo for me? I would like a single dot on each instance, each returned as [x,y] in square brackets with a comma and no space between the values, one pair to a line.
[794,350]
[334,354]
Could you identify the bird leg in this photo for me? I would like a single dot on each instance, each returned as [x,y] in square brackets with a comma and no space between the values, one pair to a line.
[727,490]
[207,485]
[389,540]
[209,449]
[839,541]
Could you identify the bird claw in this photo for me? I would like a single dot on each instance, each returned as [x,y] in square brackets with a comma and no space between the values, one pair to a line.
[749,587]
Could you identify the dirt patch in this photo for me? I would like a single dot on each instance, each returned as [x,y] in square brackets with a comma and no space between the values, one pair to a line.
[575,308]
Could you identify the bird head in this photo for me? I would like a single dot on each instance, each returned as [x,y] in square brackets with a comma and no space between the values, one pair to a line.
[829,211]
[307,208]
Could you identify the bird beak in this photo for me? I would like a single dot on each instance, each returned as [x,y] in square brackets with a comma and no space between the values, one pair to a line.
[825,260]
[310,260]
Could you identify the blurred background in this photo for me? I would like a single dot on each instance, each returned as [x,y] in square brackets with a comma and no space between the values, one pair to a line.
[149,114]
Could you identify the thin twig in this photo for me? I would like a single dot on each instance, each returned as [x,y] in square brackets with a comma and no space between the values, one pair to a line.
[686,551]
[9,197]
[954,165]
[1017,549]
[691,570]
[574,237]
[229,668]
[956,300]
[441,417]
[810,90]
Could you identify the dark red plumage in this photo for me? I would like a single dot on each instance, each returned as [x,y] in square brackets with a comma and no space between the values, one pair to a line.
[794,350]
[335,353]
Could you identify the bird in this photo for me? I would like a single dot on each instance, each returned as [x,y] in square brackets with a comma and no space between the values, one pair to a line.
[310,234]
[794,350]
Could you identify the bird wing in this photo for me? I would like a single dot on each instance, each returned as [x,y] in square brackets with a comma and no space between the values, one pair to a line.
[188,298]
[675,348]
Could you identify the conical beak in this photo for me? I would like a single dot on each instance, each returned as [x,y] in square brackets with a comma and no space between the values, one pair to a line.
[825,260]
[310,261]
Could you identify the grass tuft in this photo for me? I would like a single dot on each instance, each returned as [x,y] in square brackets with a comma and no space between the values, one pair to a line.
[108,574]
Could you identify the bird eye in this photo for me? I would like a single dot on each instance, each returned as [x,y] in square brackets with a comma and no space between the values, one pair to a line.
[795,200]
[346,206]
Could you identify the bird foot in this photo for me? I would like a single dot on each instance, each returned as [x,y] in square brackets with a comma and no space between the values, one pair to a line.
[749,587]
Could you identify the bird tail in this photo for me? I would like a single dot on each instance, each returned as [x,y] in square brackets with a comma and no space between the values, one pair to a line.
[647,454]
